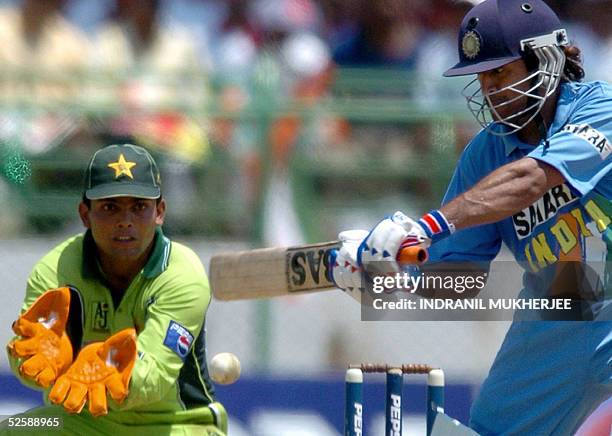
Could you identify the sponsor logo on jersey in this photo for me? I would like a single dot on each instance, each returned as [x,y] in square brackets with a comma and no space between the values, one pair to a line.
[564,239]
[593,136]
[542,210]
[100,316]
[183,345]
[178,339]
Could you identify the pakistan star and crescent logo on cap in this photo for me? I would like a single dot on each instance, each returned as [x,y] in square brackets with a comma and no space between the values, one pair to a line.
[122,167]
[470,44]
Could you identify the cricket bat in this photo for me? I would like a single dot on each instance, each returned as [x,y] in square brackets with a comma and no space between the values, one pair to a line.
[275,272]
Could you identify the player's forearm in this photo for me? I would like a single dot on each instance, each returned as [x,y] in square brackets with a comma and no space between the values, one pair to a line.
[149,384]
[504,192]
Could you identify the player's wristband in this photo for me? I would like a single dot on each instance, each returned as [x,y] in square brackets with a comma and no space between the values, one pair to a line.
[436,226]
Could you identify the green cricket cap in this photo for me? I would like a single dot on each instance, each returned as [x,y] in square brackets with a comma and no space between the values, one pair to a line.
[122,170]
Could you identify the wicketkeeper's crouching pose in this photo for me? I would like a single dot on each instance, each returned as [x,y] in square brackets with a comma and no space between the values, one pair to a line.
[537,178]
[112,327]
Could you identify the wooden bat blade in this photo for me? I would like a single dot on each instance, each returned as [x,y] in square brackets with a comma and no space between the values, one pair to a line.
[271,272]
[274,272]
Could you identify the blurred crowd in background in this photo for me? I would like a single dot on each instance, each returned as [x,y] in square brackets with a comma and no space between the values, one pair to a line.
[335,110]
[237,87]
[230,36]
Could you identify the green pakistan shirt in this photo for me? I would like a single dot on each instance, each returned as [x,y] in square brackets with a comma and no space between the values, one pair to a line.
[166,303]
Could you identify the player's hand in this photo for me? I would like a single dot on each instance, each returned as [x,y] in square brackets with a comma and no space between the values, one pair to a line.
[378,251]
[44,345]
[346,273]
[99,367]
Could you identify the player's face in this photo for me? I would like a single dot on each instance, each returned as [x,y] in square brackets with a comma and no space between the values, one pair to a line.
[123,227]
[506,102]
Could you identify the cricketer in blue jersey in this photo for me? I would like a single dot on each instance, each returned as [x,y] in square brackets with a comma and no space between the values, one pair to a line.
[538,179]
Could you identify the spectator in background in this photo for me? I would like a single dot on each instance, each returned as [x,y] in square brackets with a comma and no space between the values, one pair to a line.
[593,32]
[388,34]
[270,54]
[40,52]
[341,20]
[36,41]
[36,35]
[236,44]
[272,58]
[133,37]
[156,75]
[437,50]
[160,78]
[293,64]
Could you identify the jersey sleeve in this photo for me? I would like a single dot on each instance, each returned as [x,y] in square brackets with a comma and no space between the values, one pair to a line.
[581,150]
[174,318]
[474,244]
[38,283]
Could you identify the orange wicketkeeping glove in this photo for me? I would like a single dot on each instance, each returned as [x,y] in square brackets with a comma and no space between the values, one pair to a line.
[98,367]
[45,344]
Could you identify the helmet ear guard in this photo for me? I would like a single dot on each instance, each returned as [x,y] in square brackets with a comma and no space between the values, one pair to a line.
[551,59]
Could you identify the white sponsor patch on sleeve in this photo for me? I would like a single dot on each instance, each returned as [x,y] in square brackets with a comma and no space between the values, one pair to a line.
[593,136]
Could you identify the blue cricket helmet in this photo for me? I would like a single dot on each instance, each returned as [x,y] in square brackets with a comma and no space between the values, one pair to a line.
[497,32]
[491,33]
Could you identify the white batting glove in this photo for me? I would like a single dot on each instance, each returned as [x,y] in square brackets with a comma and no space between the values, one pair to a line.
[346,273]
[378,251]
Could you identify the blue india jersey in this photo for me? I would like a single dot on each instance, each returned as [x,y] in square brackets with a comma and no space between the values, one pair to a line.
[547,376]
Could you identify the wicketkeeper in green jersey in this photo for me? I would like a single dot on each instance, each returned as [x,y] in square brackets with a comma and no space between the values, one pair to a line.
[112,326]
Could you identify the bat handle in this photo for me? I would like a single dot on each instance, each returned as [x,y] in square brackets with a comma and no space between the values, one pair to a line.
[412,255]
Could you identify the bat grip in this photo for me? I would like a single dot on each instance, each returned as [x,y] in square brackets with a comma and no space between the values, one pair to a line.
[412,255]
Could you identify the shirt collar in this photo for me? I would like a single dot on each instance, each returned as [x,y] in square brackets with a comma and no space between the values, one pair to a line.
[511,143]
[562,113]
[157,263]
[567,97]
[160,256]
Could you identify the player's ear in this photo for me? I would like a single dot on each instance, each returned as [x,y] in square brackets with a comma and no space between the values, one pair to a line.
[161,212]
[84,214]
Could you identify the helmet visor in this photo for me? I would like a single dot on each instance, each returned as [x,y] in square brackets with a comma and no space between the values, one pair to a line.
[467,68]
